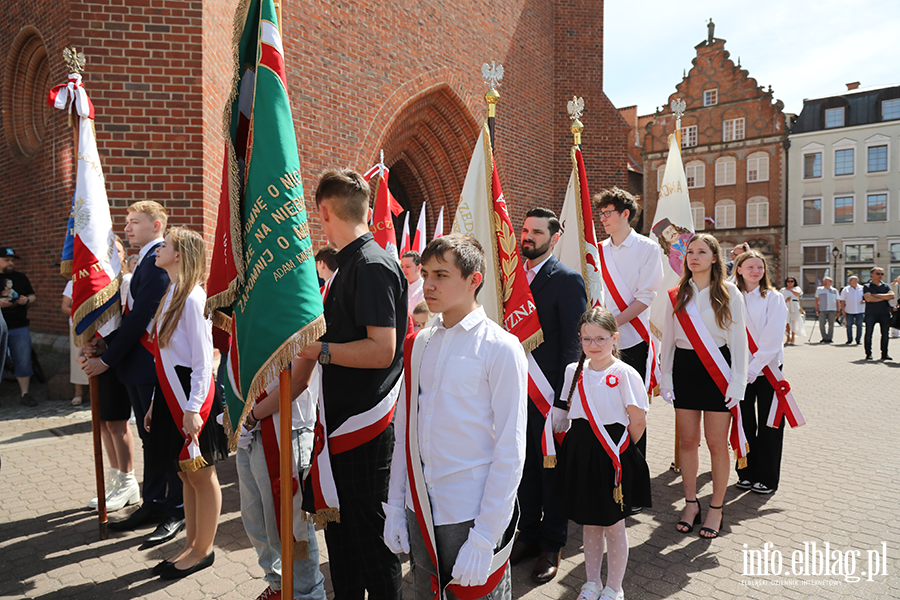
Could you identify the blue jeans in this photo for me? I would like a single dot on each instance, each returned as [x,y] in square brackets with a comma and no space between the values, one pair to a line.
[850,321]
[20,351]
[258,513]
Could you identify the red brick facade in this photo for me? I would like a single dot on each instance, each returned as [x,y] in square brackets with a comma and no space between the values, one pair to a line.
[403,77]
[746,203]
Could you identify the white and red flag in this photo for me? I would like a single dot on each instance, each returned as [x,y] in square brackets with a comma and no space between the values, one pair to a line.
[89,252]
[405,244]
[439,226]
[384,210]
[419,242]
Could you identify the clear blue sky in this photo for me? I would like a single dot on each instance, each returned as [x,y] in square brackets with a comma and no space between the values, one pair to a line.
[803,49]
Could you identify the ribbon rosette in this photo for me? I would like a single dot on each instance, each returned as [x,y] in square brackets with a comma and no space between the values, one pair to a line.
[612,381]
[782,388]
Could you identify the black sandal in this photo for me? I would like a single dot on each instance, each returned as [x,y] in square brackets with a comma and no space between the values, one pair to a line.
[689,527]
[714,532]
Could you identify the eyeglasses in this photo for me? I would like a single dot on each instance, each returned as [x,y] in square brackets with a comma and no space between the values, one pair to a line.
[605,214]
[600,341]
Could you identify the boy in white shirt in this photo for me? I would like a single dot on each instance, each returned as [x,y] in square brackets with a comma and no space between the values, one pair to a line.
[460,424]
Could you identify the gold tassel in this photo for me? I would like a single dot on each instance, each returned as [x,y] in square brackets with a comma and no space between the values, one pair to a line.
[65,269]
[618,496]
[533,341]
[192,464]
[301,550]
[550,462]
[742,462]
[323,517]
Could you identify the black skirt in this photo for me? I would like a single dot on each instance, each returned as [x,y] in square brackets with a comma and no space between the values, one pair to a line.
[694,386]
[165,439]
[585,477]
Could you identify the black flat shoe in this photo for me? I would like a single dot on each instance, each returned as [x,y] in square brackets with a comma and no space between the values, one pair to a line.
[160,567]
[713,533]
[175,573]
[689,527]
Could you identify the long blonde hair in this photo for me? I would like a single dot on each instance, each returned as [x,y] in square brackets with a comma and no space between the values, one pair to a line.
[764,284]
[718,291]
[191,271]
[603,319]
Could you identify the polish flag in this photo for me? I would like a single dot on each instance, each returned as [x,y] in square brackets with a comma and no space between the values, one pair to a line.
[404,241]
[419,242]
[439,226]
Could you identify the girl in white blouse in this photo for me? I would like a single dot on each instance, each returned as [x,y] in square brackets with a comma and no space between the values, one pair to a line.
[176,421]
[766,318]
[607,407]
[686,380]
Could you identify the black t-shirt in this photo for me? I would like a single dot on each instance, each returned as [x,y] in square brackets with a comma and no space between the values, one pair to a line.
[16,316]
[368,290]
[877,308]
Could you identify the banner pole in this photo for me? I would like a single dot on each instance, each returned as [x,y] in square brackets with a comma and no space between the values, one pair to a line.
[286,486]
[98,457]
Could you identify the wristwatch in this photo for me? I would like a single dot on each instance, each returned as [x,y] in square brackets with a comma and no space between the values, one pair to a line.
[324,355]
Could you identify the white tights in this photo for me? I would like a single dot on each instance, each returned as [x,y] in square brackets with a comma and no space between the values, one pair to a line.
[617,556]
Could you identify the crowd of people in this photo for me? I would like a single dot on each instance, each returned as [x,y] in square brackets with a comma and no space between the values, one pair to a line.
[445,447]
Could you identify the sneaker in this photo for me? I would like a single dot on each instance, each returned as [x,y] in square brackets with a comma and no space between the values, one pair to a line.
[761,488]
[610,594]
[28,400]
[76,401]
[744,484]
[128,492]
[113,477]
[589,591]
[269,593]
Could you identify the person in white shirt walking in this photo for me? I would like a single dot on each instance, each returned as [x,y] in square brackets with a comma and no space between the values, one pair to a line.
[853,306]
[461,430]
[826,309]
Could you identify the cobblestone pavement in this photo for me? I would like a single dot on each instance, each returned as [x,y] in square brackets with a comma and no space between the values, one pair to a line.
[838,491]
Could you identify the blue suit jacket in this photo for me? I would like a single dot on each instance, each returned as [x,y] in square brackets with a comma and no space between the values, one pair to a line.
[561,299]
[124,349]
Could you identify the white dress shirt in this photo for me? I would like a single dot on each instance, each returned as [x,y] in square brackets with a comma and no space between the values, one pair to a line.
[769,317]
[734,336]
[639,264]
[854,300]
[191,345]
[415,294]
[531,273]
[609,405]
[473,386]
[827,298]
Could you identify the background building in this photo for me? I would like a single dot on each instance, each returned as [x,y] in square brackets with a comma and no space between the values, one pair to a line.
[404,77]
[844,186]
[732,140]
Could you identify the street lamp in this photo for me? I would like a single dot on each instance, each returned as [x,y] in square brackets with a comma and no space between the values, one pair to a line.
[835,253]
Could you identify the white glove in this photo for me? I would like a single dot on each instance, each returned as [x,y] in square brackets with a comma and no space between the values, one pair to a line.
[473,562]
[667,395]
[396,535]
[751,376]
[559,419]
[731,402]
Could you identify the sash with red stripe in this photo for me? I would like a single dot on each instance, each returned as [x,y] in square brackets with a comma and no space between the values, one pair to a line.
[145,340]
[189,459]
[413,350]
[613,450]
[714,361]
[622,299]
[786,406]
[541,393]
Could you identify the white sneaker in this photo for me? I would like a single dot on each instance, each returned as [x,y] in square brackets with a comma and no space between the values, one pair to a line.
[128,492]
[112,482]
[610,594]
[589,591]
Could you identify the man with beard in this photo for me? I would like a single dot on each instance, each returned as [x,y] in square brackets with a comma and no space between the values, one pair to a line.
[16,295]
[561,299]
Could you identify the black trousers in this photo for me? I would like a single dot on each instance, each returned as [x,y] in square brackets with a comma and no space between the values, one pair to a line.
[884,321]
[358,558]
[766,443]
[636,357]
[542,520]
[161,486]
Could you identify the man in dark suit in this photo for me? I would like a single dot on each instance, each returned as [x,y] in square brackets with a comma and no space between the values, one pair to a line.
[560,297]
[127,350]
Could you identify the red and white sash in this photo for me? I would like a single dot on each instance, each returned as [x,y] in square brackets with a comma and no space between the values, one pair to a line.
[541,393]
[622,299]
[718,368]
[189,459]
[414,349]
[786,406]
[145,340]
[613,450]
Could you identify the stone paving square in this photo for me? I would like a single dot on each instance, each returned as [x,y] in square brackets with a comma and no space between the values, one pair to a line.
[838,488]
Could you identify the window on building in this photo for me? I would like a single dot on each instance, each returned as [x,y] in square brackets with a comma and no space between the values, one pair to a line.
[895,272]
[695,171]
[725,214]
[659,175]
[890,109]
[725,168]
[860,272]
[843,209]
[698,213]
[733,129]
[758,167]
[834,117]
[877,159]
[895,252]
[710,97]
[812,211]
[812,279]
[689,136]
[815,255]
[812,165]
[843,162]
[757,212]
[876,207]
[859,253]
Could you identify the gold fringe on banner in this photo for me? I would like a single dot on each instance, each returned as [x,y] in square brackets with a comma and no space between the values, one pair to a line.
[323,517]
[489,178]
[580,219]
[301,550]
[741,462]
[221,320]
[535,340]
[65,269]
[192,464]
[93,303]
